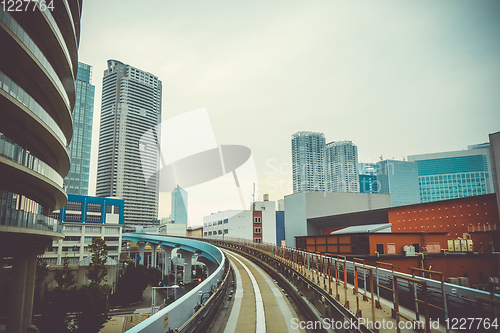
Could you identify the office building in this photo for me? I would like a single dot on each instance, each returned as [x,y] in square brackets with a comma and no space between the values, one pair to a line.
[368,178]
[495,163]
[131,106]
[179,206]
[257,225]
[454,174]
[77,180]
[38,67]
[308,161]
[341,162]
[300,208]
[400,180]
[85,218]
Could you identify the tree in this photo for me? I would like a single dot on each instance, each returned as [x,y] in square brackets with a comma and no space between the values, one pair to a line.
[93,308]
[64,277]
[97,269]
[41,273]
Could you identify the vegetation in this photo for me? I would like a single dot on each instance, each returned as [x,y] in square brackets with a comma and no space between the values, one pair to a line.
[133,282]
[97,269]
[90,302]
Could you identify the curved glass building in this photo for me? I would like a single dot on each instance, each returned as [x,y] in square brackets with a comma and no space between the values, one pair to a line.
[38,68]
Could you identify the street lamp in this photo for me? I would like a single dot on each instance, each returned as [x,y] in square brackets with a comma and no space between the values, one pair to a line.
[153,295]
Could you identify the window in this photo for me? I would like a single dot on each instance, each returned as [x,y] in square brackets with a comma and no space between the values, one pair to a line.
[68,228]
[257,240]
[417,247]
[226,221]
[220,222]
[256,220]
[220,232]
[109,209]
[73,217]
[93,218]
[226,231]
[205,233]
[111,239]
[380,248]
[74,206]
[110,230]
[72,238]
[391,248]
[94,207]
[93,229]
[256,230]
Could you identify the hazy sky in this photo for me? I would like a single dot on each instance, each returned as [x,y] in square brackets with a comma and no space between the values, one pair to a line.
[396,77]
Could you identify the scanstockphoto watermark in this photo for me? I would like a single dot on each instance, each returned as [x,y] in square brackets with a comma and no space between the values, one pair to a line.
[356,324]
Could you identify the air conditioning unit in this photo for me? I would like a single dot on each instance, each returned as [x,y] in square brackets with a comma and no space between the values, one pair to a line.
[409,250]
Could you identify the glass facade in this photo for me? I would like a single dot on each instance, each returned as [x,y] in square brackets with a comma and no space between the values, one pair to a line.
[455,174]
[400,180]
[179,205]
[77,179]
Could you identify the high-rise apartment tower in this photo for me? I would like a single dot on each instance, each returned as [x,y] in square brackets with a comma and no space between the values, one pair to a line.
[77,180]
[308,161]
[131,105]
[341,167]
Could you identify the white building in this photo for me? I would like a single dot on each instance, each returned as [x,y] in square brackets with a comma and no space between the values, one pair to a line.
[85,218]
[257,224]
[171,228]
[131,105]
[299,207]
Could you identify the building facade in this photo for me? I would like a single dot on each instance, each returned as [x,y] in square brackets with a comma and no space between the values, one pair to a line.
[38,68]
[341,163]
[85,218]
[301,207]
[131,106]
[400,180]
[308,161]
[454,174]
[257,224]
[77,180]
[368,178]
[179,204]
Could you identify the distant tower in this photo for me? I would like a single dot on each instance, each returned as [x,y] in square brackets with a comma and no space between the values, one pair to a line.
[77,179]
[308,161]
[131,105]
[342,167]
[179,205]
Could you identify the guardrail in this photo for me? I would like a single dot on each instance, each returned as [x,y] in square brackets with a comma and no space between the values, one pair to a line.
[176,316]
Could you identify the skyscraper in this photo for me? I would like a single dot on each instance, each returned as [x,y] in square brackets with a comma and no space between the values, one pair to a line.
[179,205]
[308,161]
[400,180]
[454,174]
[367,178]
[38,66]
[77,180]
[131,105]
[341,167]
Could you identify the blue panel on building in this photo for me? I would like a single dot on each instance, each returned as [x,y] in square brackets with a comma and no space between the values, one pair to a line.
[88,209]
[280,227]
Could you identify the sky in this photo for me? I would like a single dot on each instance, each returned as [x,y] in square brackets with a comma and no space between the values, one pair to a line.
[396,77]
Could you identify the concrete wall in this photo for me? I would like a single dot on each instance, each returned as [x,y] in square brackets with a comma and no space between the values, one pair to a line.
[301,206]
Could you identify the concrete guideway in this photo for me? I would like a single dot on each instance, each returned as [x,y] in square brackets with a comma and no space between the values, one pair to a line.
[257,294]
